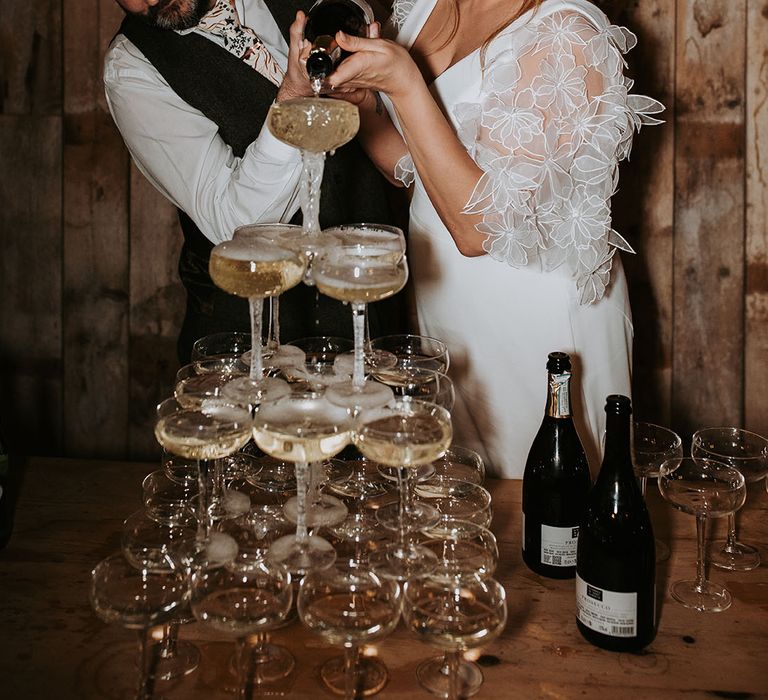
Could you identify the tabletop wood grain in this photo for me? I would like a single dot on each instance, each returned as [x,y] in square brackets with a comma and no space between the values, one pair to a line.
[69,517]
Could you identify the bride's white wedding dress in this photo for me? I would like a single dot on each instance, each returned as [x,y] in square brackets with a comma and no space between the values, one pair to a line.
[547,115]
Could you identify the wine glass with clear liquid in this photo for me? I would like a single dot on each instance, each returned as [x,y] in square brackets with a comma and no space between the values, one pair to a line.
[255,270]
[705,489]
[652,445]
[412,351]
[315,126]
[464,551]
[359,274]
[455,615]
[302,428]
[406,433]
[747,452]
[240,602]
[349,607]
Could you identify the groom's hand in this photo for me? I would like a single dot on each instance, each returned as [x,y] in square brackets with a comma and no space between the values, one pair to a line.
[296,81]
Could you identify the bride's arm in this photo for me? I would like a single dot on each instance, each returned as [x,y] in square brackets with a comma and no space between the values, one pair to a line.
[448,172]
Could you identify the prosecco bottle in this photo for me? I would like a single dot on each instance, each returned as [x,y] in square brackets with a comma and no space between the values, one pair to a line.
[556,481]
[616,561]
[324,19]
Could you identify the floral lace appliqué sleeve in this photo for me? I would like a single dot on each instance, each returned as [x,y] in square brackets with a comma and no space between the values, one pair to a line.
[555,118]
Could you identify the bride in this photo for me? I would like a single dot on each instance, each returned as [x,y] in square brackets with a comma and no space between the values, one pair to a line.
[507,119]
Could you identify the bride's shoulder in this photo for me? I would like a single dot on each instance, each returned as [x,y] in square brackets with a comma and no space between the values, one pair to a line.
[557,26]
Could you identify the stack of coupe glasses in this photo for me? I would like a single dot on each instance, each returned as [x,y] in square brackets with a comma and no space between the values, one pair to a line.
[318,461]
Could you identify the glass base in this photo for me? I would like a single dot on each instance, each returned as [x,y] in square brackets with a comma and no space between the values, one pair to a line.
[400,564]
[710,597]
[246,391]
[283,357]
[739,557]
[370,395]
[184,659]
[219,549]
[300,557]
[418,517]
[374,360]
[433,676]
[372,676]
[233,504]
[325,510]
[271,663]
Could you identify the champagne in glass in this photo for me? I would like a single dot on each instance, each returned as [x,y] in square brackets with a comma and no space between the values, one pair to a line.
[302,428]
[255,270]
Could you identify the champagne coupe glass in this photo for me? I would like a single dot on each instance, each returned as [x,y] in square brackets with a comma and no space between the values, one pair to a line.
[456,500]
[214,430]
[255,270]
[228,345]
[359,274]
[458,464]
[427,385]
[747,452]
[387,238]
[151,538]
[315,126]
[180,470]
[455,615]
[276,477]
[415,351]
[302,428]
[652,445]
[705,489]
[349,607]
[407,433]
[138,599]
[239,602]
[464,550]
[292,237]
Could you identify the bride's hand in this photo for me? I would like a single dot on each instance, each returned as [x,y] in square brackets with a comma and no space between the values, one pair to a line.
[296,82]
[376,64]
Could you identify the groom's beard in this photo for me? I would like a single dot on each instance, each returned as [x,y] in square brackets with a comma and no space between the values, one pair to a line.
[175,14]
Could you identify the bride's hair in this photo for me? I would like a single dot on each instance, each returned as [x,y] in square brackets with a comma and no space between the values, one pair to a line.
[525,6]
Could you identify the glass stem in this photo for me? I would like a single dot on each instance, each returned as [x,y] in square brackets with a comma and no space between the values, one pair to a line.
[170,640]
[367,331]
[315,483]
[203,513]
[350,672]
[453,675]
[244,669]
[301,501]
[358,323]
[730,542]
[701,525]
[274,323]
[256,304]
[217,486]
[402,531]
[309,191]
[146,688]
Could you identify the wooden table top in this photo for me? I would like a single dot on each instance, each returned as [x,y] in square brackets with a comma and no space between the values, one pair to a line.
[69,517]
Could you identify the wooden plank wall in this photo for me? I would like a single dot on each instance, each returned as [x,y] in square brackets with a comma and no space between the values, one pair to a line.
[90,304]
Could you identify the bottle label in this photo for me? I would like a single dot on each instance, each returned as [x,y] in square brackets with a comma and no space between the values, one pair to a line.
[558,545]
[607,612]
[560,399]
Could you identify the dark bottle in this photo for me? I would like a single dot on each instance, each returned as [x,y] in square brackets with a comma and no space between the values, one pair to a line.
[324,19]
[556,482]
[616,560]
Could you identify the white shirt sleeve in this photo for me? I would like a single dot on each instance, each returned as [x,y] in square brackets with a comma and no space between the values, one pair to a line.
[180,152]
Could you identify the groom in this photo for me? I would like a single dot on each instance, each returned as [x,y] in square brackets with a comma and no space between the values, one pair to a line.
[189,84]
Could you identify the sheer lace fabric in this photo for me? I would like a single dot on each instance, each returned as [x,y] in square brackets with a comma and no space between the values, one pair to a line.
[553,119]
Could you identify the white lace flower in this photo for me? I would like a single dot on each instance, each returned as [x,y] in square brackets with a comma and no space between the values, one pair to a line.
[508,182]
[514,124]
[592,284]
[560,84]
[502,75]
[405,170]
[579,221]
[587,124]
[560,32]
[400,11]
[511,236]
